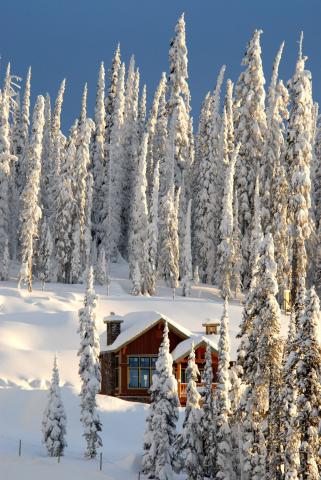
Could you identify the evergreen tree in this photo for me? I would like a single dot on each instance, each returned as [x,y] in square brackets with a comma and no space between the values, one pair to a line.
[45,252]
[226,248]
[250,131]
[31,211]
[298,159]
[22,145]
[98,156]
[189,444]
[224,463]
[113,220]
[101,271]
[138,240]
[208,416]
[46,159]
[89,370]
[162,417]
[54,418]
[153,235]
[188,267]
[5,168]
[237,254]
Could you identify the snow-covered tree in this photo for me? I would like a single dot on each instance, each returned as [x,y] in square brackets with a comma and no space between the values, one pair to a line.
[189,444]
[237,254]
[138,238]
[101,270]
[188,267]
[46,159]
[225,250]
[113,219]
[298,158]
[89,370]
[153,235]
[23,132]
[208,416]
[224,464]
[205,177]
[5,167]
[250,131]
[45,253]
[30,201]
[54,418]
[162,417]
[308,369]
[256,229]
[98,155]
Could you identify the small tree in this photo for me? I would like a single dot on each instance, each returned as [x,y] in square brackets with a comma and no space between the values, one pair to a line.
[45,253]
[101,270]
[54,418]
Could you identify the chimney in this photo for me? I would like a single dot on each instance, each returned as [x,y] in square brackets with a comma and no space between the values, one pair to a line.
[113,323]
[211,327]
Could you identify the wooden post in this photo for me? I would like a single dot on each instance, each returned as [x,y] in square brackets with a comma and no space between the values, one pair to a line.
[179,372]
[100,461]
[19,448]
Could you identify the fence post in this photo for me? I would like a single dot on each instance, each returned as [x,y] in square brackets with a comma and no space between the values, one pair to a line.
[100,461]
[19,448]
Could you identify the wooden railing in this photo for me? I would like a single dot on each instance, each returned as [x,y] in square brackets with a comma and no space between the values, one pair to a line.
[182,388]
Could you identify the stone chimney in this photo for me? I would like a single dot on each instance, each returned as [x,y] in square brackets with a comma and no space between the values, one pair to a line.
[113,323]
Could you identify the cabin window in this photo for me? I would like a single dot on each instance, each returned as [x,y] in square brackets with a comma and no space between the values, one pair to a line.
[140,371]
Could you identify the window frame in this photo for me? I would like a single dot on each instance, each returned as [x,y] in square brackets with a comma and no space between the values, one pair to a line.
[140,368]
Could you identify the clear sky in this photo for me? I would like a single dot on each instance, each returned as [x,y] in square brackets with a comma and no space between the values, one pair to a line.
[69,38]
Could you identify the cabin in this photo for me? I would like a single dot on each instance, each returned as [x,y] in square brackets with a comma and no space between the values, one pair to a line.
[129,349]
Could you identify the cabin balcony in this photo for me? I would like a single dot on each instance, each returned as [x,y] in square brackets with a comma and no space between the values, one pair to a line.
[182,390]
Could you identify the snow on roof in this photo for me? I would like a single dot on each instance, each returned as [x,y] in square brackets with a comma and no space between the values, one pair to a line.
[135,324]
[183,348]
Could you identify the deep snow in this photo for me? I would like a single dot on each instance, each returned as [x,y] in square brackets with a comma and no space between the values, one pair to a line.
[35,326]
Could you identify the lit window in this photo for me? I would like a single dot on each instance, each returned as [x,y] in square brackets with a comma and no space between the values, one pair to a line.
[140,371]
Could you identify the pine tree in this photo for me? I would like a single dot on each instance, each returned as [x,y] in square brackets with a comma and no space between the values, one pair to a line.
[189,444]
[208,416]
[98,155]
[113,220]
[298,159]
[5,168]
[188,267]
[162,417]
[89,370]
[250,131]
[22,145]
[54,418]
[308,370]
[223,408]
[101,271]
[31,211]
[205,213]
[237,254]
[256,231]
[46,165]
[153,235]
[45,252]
[138,239]
[225,249]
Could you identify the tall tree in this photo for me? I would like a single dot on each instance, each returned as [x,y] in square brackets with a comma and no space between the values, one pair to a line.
[188,267]
[250,131]
[30,201]
[298,158]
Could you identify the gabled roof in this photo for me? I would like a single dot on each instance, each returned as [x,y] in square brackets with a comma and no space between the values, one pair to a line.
[183,349]
[135,324]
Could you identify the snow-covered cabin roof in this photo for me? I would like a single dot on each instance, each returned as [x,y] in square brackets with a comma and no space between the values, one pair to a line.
[183,348]
[134,325]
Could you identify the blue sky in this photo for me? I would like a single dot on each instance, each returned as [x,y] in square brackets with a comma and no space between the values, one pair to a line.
[69,38]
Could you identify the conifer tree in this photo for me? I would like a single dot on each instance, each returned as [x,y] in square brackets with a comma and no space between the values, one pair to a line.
[250,131]
[46,159]
[98,155]
[31,211]
[188,267]
[45,252]
[224,463]
[237,254]
[89,370]
[162,417]
[54,418]
[153,235]
[112,94]
[298,159]
[5,168]
[113,220]
[226,248]
[138,240]
[189,444]
[101,271]
[208,416]
[22,145]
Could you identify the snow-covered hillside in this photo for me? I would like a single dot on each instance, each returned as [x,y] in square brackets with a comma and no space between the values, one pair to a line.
[33,326]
